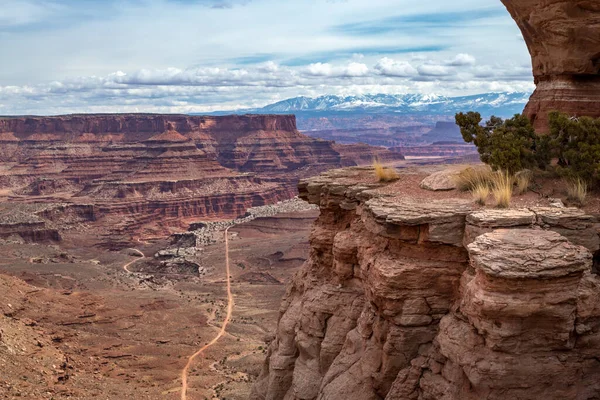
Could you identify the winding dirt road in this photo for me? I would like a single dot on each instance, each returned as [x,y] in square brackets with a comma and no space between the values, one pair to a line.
[126,266]
[184,372]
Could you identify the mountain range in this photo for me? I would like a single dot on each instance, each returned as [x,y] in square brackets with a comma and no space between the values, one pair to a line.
[501,104]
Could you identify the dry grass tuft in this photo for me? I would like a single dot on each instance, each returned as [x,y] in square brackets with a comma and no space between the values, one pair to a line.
[384,174]
[472,177]
[502,188]
[577,191]
[480,193]
[523,181]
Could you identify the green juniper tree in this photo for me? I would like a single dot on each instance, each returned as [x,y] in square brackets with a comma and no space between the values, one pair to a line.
[575,143]
[510,145]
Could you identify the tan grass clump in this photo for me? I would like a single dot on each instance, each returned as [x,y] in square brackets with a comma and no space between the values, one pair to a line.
[480,193]
[384,174]
[502,188]
[523,181]
[577,191]
[471,177]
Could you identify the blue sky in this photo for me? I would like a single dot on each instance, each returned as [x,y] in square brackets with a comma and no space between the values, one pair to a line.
[64,56]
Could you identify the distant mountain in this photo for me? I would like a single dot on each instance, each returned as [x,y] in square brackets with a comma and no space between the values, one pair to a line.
[500,104]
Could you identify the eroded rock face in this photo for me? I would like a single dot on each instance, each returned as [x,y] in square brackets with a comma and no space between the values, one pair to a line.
[397,302]
[563,38]
[164,167]
[514,333]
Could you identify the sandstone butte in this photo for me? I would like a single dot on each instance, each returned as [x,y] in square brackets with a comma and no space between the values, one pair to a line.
[563,38]
[413,295]
[134,170]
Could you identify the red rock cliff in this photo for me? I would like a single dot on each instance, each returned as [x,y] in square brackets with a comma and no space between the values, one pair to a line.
[563,37]
[137,127]
[158,167]
[417,298]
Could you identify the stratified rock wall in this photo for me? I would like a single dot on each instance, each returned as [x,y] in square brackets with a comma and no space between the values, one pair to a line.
[563,38]
[410,299]
[157,167]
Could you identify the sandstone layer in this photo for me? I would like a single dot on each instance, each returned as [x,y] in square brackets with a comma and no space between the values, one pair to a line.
[145,168]
[563,38]
[408,297]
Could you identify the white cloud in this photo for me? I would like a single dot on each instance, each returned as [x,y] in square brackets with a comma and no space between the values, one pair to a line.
[462,59]
[211,89]
[355,69]
[352,70]
[434,70]
[153,55]
[388,67]
[320,69]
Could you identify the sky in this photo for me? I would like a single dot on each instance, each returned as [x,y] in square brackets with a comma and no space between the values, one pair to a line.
[182,56]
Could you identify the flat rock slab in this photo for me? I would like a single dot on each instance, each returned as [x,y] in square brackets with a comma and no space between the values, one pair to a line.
[528,254]
[501,218]
[418,212]
[440,181]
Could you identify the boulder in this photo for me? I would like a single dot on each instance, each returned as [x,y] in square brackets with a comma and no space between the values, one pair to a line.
[440,181]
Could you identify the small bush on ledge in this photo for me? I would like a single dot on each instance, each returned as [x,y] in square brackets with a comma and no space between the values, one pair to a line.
[575,143]
[512,145]
[385,174]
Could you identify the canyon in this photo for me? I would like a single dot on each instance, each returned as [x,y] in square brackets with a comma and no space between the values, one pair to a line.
[80,321]
[139,174]
[413,294]
[115,270]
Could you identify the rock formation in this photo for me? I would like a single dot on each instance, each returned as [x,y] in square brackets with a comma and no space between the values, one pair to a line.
[143,168]
[409,297]
[563,37]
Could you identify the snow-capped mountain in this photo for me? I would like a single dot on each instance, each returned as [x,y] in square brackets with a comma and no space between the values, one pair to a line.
[502,104]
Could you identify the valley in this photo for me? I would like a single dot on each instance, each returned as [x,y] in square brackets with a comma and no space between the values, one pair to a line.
[82,322]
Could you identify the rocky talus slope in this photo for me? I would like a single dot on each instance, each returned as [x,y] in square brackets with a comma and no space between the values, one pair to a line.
[563,37]
[142,168]
[435,298]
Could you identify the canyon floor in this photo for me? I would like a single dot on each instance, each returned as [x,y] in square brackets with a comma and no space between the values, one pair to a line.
[88,317]
[77,325]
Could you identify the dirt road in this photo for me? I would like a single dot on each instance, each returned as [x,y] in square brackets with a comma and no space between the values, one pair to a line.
[184,372]
[126,266]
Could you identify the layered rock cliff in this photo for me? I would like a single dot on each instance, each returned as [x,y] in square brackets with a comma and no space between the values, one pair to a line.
[409,296]
[563,37]
[160,167]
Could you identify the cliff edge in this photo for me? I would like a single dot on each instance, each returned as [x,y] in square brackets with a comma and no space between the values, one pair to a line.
[413,297]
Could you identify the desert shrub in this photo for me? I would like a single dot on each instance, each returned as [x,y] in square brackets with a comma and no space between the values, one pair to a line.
[383,173]
[502,188]
[470,177]
[575,143]
[577,190]
[510,145]
[523,180]
[480,193]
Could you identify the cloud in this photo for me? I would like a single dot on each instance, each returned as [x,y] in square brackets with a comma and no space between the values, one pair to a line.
[419,23]
[389,67]
[434,70]
[220,88]
[353,69]
[342,54]
[252,59]
[64,56]
[462,59]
